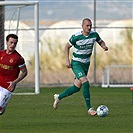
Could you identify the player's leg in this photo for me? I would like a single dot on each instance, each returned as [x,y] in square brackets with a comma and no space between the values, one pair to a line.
[86,92]
[69,91]
[81,73]
[86,95]
[86,88]
[4,98]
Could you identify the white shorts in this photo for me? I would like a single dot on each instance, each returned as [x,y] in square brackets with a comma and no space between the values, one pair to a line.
[5,95]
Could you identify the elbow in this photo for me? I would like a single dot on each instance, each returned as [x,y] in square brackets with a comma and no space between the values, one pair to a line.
[25,72]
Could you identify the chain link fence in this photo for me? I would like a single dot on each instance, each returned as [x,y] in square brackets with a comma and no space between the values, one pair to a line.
[58,20]
[111,19]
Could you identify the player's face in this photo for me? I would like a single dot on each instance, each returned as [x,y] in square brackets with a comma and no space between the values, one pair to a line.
[87,25]
[11,44]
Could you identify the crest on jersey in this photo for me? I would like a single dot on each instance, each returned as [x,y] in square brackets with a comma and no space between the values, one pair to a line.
[11,60]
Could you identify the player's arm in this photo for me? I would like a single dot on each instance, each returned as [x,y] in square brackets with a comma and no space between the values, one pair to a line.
[23,73]
[103,45]
[67,50]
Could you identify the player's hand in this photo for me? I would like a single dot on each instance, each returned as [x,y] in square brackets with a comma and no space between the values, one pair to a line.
[11,86]
[105,48]
[68,64]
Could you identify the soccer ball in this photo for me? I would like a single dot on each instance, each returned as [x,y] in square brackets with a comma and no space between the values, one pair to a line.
[102,111]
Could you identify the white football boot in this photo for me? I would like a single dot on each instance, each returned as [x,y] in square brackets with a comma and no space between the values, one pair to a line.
[56,102]
[92,112]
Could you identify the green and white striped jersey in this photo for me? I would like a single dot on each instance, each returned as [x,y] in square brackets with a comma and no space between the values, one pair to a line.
[83,45]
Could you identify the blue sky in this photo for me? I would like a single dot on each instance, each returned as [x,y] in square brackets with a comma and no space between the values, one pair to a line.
[77,9]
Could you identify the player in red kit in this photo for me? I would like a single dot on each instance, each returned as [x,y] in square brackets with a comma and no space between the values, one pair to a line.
[12,70]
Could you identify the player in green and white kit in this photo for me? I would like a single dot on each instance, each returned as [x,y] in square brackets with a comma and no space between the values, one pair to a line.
[83,43]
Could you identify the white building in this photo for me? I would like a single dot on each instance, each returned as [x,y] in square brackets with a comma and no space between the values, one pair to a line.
[25,38]
[58,34]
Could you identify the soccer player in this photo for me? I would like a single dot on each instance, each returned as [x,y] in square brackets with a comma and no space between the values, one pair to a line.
[83,43]
[12,70]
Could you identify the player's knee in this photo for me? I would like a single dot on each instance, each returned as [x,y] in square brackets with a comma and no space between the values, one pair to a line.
[77,83]
[83,79]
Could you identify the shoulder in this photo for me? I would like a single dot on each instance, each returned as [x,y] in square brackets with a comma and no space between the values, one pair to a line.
[76,35]
[18,55]
[20,59]
[74,38]
[93,32]
[2,51]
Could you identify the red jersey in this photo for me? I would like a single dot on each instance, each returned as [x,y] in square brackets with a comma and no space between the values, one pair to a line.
[10,66]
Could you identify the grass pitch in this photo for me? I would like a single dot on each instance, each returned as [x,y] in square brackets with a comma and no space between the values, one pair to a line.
[34,113]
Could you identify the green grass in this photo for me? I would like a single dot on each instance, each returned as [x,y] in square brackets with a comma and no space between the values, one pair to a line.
[34,113]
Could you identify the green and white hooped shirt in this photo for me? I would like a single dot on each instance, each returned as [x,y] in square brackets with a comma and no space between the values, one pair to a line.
[83,45]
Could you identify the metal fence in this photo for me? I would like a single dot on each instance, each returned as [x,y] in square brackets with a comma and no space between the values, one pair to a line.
[58,20]
[111,19]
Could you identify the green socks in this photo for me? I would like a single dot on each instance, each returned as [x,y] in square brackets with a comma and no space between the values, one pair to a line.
[69,91]
[73,89]
[86,93]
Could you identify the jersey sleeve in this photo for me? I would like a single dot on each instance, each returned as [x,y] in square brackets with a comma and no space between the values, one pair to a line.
[98,38]
[72,40]
[21,63]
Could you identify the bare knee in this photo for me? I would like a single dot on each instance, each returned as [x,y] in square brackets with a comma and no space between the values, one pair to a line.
[83,79]
[79,82]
